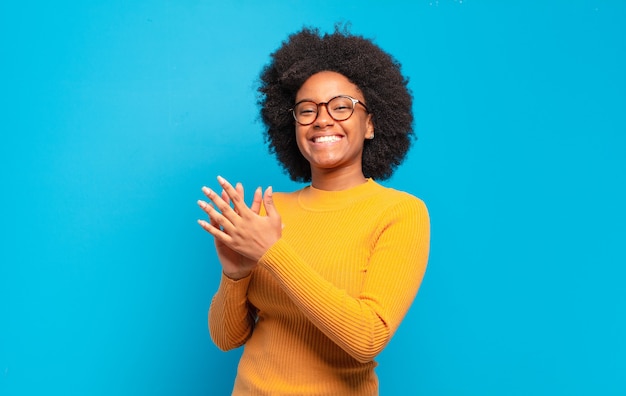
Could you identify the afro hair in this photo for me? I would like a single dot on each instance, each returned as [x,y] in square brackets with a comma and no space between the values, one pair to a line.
[376,73]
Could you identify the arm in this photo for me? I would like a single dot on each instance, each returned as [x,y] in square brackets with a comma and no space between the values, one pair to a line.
[362,325]
[231,318]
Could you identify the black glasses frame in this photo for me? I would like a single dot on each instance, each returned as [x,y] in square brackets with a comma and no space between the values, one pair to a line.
[325,104]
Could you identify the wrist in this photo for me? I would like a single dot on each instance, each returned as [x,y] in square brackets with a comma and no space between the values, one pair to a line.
[235,276]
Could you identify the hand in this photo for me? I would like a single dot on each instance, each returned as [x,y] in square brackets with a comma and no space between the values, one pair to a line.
[241,235]
[234,265]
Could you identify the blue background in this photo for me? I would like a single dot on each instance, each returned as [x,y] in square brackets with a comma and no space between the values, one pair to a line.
[115,113]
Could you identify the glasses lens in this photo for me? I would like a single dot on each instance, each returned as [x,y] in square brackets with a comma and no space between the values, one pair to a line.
[340,108]
[305,112]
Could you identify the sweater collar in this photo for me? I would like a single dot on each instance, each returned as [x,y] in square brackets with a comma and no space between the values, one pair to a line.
[314,199]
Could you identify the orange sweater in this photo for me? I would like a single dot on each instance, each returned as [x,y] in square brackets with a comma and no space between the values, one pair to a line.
[327,297]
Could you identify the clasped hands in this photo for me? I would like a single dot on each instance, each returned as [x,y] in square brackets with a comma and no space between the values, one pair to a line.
[241,235]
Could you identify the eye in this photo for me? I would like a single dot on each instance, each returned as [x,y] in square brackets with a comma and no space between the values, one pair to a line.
[306,108]
[341,105]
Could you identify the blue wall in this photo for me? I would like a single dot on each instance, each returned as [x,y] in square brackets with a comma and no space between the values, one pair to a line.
[115,113]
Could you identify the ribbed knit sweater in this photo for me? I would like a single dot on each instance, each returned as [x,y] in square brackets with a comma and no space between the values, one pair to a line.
[326,298]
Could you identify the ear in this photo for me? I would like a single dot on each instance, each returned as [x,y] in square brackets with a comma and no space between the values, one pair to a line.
[369,128]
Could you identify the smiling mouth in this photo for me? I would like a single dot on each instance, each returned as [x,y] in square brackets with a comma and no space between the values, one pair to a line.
[327,139]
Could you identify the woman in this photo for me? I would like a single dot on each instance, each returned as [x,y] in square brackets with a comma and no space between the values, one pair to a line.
[315,282]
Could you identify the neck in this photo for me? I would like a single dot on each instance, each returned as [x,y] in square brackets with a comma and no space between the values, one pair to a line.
[336,181]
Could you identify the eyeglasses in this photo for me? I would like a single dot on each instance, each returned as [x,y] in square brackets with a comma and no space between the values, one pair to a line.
[340,108]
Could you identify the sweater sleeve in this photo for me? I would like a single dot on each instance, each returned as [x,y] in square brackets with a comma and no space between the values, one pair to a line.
[363,325]
[231,317]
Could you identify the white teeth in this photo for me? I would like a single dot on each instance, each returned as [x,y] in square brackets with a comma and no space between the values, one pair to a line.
[326,139]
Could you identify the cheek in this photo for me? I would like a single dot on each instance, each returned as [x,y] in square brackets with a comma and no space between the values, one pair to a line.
[300,137]
[299,134]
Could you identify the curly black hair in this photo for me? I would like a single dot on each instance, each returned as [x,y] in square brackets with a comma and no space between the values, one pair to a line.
[376,73]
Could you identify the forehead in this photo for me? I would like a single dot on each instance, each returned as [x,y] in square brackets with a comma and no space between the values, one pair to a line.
[325,85]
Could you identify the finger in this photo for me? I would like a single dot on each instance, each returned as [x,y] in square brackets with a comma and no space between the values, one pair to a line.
[218,234]
[209,210]
[225,197]
[270,209]
[239,189]
[235,197]
[206,225]
[217,219]
[218,201]
[212,220]
[204,205]
[256,200]
[268,202]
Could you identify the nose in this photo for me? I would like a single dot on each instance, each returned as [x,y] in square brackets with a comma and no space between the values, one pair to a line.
[323,117]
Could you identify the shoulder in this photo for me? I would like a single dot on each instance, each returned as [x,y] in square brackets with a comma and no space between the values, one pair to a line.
[402,210]
[390,197]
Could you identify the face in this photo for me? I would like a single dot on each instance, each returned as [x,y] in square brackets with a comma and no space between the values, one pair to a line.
[327,144]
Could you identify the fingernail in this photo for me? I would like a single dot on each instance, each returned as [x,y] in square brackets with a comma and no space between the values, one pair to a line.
[221,180]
